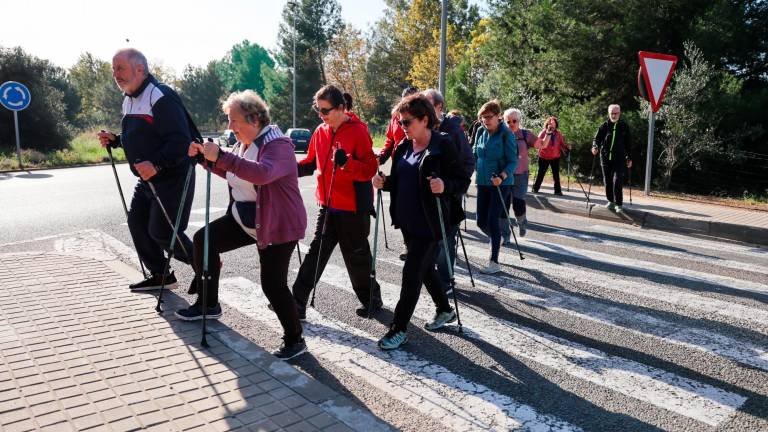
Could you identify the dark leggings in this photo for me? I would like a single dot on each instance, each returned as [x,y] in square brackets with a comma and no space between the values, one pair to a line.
[224,235]
[543,165]
[489,210]
[419,269]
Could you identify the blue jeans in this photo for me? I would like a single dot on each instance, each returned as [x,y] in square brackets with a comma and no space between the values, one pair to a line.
[517,200]
[489,210]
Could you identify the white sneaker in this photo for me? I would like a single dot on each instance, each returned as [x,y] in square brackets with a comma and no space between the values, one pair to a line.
[619,209]
[491,268]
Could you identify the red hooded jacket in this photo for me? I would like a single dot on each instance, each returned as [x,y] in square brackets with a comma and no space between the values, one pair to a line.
[353,137]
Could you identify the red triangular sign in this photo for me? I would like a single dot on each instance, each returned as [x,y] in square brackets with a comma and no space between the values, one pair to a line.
[657,71]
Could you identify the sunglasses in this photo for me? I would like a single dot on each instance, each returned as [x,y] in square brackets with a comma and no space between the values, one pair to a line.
[512,121]
[323,111]
[406,122]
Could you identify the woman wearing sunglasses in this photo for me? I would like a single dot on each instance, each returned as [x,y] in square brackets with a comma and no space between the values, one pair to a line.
[341,151]
[496,155]
[526,139]
[425,169]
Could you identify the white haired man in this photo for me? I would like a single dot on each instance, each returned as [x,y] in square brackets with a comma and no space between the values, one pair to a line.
[612,141]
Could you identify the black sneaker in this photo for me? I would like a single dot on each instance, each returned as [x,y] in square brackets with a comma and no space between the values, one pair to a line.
[365,313]
[195,312]
[290,350]
[153,283]
[302,311]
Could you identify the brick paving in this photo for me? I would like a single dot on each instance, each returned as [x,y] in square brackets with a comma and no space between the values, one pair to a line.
[78,351]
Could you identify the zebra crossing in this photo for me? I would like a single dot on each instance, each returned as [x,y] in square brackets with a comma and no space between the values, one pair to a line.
[659,335]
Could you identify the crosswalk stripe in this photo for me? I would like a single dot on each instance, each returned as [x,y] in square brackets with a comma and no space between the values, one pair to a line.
[665,390]
[699,305]
[457,403]
[661,237]
[641,324]
[660,250]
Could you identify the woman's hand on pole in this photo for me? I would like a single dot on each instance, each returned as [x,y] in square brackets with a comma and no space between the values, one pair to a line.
[194,149]
[436,185]
[496,180]
[211,151]
[105,138]
[378,180]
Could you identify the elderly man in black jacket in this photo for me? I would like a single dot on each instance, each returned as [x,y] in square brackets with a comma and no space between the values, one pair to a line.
[613,143]
[155,136]
[451,125]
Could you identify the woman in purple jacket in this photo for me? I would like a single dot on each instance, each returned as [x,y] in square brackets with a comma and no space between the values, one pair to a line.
[266,209]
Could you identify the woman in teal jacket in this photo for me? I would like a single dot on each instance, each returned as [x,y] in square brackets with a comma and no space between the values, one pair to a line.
[496,155]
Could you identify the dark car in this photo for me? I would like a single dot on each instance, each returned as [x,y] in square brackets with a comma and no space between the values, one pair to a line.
[228,138]
[300,138]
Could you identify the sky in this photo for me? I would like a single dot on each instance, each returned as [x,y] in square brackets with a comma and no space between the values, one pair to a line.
[172,32]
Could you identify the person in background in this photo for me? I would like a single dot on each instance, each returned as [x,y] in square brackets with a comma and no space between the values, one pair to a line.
[496,157]
[612,141]
[526,140]
[551,148]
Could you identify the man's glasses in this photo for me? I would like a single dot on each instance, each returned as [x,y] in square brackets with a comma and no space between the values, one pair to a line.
[487,117]
[406,122]
[323,111]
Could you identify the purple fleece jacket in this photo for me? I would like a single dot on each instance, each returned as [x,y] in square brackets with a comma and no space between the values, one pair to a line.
[280,213]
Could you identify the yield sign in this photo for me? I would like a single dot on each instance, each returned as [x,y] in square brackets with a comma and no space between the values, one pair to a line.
[657,71]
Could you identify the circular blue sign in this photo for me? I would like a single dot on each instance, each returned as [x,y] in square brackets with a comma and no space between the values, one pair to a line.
[14,95]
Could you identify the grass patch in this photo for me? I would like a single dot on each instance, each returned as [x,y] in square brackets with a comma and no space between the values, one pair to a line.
[84,149]
[378,140]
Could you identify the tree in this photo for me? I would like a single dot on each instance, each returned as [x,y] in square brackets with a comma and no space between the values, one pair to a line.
[44,124]
[202,90]
[241,68]
[345,67]
[317,21]
[689,115]
[100,100]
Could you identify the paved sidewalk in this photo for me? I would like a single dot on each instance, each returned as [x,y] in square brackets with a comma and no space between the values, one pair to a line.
[80,352]
[659,213]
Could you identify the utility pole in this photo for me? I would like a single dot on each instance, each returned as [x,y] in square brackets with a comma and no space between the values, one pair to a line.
[443,24]
[293,5]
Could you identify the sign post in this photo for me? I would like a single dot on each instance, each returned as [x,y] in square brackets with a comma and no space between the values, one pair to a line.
[656,70]
[15,96]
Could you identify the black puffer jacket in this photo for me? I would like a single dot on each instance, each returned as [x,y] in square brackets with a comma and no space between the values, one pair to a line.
[441,159]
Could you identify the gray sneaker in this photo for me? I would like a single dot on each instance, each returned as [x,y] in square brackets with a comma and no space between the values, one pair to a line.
[491,268]
[440,319]
[619,209]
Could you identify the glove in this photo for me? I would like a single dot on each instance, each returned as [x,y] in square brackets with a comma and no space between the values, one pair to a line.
[340,157]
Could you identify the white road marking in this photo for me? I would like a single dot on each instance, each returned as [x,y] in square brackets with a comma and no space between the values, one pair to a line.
[457,403]
[662,389]
[213,210]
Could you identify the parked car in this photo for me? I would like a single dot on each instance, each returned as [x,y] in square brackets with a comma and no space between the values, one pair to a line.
[300,138]
[228,138]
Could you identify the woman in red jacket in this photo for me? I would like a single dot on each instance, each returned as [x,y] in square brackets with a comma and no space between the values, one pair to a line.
[551,147]
[341,151]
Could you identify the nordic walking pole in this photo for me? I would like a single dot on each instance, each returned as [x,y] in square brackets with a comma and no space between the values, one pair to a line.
[466,259]
[630,184]
[322,232]
[298,252]
[447,257]
[509,220]
[165,213]
[591,180]
[568,158]
[375,249]
[206,276]
[464,208]
[380,198]
[122,197]
[174,235]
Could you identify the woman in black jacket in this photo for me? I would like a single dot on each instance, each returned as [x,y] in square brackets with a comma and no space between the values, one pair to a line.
[425,170]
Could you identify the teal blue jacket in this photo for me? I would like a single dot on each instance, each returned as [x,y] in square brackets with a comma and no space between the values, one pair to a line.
[495,153]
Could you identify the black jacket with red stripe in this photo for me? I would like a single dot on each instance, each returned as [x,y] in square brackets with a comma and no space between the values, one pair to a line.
[155,128]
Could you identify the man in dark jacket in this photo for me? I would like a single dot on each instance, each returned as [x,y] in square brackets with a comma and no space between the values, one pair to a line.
[155,136]
[613,143]
[451,125]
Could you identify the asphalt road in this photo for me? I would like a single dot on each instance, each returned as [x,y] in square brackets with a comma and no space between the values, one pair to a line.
[601,327]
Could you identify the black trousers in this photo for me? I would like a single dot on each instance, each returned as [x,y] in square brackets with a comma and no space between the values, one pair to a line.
[149,229]
[419,269]
[613,176]
[543,165]
[224,235]
[350,231]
